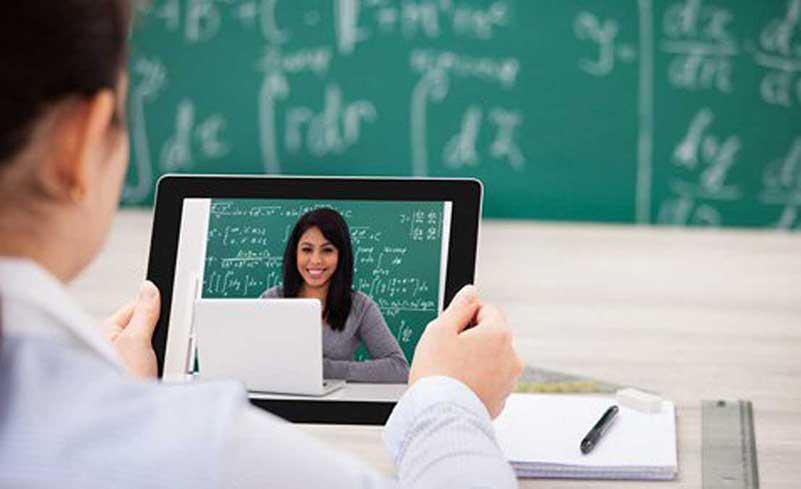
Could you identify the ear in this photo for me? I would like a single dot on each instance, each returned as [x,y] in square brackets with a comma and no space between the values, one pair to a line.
[81,140]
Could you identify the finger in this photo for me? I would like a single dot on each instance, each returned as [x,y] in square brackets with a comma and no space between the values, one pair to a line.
[146,312]
[466,295]
[489,314]
[488,318]
[123,315]
[461,311]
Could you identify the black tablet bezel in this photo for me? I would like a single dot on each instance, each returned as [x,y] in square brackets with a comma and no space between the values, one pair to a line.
[173,189]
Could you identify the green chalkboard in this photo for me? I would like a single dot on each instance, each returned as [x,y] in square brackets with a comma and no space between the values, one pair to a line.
[397,246]
[682,112]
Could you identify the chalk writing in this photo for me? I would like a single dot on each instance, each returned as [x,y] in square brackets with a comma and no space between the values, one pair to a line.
[463,88]
[785,173]
[604,35]
[197,21]
[701,149]
[503,71]
[149,78]
[504,146]
[275,87]
[177,152]
[423,226]
[685,210]
[415,19]
[779,54]
[433,86]
[269,26]
[333,130]
[782,185]
[349,34]
[437,69]
[698,38]
[461,150]
[705,160]
[404,332]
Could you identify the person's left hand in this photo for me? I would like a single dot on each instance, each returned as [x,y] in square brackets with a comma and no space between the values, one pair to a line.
[130,331]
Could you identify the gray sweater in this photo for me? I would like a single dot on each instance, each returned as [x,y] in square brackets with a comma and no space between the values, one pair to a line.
[366,324]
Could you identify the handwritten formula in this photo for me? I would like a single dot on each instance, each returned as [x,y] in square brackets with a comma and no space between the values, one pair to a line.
[671,112]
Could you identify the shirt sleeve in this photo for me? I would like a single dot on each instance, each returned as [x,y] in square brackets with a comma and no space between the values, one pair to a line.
[388,362]
[439,434]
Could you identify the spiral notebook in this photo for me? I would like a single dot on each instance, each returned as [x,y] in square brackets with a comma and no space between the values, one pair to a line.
[540,435]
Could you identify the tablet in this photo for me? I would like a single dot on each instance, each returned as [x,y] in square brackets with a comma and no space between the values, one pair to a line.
[401,248]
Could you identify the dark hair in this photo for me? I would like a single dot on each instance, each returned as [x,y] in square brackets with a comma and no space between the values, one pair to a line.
[53,50]
[338,303]
[1,326]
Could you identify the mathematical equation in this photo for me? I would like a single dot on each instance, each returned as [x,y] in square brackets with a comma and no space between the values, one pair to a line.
[294,127]
[697,36]
[500,89]
[703,52]
[230,283]
[356,21]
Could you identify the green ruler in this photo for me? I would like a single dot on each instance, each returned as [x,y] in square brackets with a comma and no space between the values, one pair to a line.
[728,446]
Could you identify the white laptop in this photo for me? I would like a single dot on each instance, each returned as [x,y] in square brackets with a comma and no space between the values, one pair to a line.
[271,345]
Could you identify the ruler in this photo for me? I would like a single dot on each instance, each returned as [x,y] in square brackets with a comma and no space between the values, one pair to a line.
[536,379]
[728,445]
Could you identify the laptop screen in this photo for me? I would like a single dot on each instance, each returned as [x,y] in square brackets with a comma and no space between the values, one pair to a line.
[377,267]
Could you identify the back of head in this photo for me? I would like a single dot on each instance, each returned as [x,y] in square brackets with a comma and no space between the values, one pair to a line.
[63,144]
[51,51]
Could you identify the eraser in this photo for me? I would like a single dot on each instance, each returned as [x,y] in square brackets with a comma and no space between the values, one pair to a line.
[639,400]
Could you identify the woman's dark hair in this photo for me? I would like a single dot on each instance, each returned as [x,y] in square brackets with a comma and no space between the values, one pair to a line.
[335,229]
[52,50]
[1,326]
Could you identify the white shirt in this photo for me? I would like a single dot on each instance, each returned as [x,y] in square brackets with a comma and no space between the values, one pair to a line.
[70,416]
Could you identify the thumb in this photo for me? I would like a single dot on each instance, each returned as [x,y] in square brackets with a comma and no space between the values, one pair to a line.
[461,311]
[146,312]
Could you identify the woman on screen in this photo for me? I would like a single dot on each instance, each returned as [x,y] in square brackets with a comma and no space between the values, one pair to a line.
[318,263]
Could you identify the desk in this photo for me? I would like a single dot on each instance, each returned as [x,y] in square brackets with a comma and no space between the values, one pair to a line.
[692,314]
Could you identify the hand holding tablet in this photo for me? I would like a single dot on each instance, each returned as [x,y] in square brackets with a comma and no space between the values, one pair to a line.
[482,357]
[413,246]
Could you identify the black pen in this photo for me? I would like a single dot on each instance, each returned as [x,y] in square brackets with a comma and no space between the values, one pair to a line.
[597,431]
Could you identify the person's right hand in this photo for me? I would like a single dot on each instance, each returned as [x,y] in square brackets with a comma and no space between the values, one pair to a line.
[482,357]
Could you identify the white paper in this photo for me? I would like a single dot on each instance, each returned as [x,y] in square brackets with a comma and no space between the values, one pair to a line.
[545,430]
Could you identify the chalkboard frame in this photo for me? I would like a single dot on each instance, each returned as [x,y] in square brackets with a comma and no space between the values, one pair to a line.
[465,194]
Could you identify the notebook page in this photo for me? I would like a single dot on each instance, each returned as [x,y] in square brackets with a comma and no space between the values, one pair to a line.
[548,428]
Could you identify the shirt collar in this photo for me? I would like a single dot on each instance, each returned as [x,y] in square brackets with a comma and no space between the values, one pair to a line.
[24,282]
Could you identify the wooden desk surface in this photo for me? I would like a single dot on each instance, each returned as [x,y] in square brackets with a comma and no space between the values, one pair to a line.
[691,314]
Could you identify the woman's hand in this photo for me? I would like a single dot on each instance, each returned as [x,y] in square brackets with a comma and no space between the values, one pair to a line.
[130,331]
[483,356]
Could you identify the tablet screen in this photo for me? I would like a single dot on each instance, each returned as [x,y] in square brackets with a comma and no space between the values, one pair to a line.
[392,264]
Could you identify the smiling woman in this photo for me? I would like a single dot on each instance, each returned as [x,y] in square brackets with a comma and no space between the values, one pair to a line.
[318,263]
